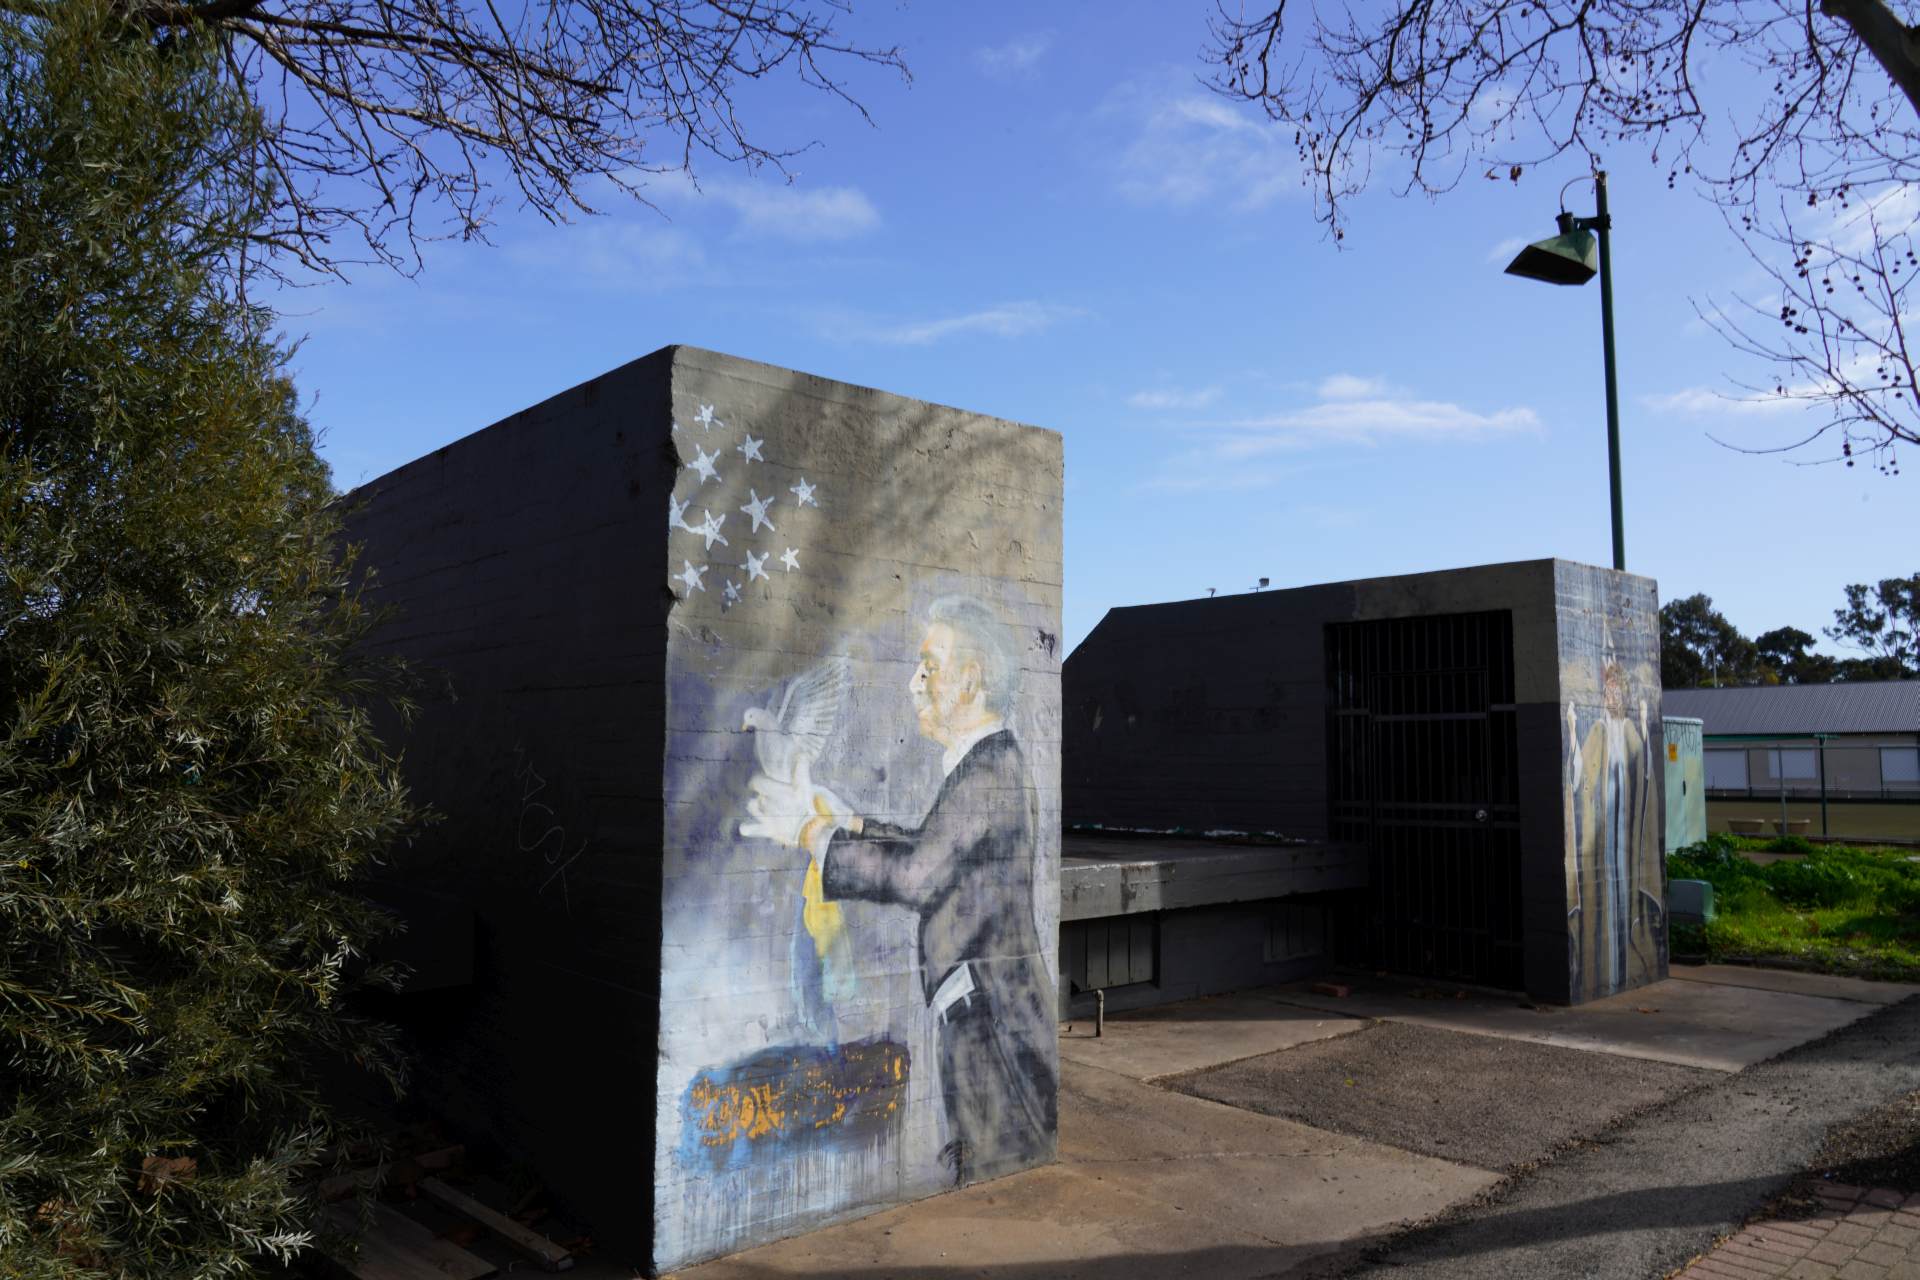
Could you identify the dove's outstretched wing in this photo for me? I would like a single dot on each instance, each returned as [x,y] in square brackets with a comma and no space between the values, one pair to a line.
[807,713]
[811,706]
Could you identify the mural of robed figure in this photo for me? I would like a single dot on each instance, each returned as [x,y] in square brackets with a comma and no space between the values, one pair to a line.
[966,871]
[1617,934]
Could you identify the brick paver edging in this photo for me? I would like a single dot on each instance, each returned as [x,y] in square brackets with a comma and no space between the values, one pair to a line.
[1857,1235]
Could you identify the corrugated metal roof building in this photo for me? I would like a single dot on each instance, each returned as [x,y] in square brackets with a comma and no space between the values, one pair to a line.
[1883,706]
[1839,759]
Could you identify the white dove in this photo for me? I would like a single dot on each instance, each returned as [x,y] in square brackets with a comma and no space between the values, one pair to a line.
[797,729]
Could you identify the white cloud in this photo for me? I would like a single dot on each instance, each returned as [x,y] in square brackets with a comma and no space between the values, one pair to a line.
[1705,400]
[1345,386]
[1017,57]
[795,213]
[1006,320]
[1184,147]
[1201,473]
[1856,226]
[1174,398]
[1367,420]
[1501,254]
[610,254]
[1345,409]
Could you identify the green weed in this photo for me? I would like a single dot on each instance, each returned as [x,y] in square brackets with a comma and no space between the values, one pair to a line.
[1839,908]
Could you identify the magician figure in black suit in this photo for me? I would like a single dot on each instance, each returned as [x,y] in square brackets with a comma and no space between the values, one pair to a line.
[966,871]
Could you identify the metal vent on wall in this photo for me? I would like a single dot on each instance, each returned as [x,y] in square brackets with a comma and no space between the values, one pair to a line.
[1422,770]
[1114,951]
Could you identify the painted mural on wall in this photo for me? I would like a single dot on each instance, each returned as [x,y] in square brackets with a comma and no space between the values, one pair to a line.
[1614,785]
[862,823]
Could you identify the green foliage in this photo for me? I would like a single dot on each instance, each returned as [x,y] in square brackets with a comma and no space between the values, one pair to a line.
[1698,646]
[1788,652]
[1883,620]
[1838,907]
[188,780]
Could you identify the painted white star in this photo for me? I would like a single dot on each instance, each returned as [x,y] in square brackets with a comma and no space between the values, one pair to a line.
[750,449]
[703,463]
[756,565]
[733,593]
[790,558]
[758,510]
[804,492]
[710,529]
[691,576]
[706,419]
[676,513]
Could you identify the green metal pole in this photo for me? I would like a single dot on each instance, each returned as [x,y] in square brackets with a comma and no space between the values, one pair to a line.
[1822,740]
[1603,223]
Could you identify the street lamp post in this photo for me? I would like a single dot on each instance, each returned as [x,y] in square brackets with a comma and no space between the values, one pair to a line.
[1569,258]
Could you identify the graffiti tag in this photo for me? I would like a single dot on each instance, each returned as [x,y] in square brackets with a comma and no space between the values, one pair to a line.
[538,830]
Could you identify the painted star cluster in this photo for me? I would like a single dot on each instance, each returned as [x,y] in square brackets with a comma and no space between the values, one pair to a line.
[739,472]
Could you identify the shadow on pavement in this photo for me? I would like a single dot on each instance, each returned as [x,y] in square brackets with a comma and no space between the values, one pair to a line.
[1487,1231]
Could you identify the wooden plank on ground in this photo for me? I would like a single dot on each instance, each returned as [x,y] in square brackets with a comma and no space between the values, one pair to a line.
[342,1185]
[536,1246]
[396,1247]
[404,1170]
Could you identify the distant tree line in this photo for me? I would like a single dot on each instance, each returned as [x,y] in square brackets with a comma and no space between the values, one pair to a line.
[1699,647]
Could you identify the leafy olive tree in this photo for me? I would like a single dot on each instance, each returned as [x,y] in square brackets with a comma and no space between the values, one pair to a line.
[188,781]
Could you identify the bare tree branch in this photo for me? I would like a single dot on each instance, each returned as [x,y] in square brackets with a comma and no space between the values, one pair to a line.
[394,122]
[1815,180]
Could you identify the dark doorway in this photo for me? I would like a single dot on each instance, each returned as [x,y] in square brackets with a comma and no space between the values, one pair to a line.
[1422,770]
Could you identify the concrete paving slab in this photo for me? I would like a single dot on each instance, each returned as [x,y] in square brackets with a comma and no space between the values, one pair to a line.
[1150,1184]
[1697,1024]
[1173,1038]
[1496,1102]
[1806,984]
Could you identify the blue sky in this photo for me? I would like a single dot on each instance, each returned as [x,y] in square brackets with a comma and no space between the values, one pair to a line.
[1056,223]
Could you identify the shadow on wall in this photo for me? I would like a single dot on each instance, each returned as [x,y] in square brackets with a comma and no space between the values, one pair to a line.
[862,808]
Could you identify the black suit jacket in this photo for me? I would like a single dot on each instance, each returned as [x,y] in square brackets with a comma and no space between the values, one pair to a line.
[967,872]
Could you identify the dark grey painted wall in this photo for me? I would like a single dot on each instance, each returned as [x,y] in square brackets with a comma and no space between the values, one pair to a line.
[524,564]
[1212,713]
[1202,714]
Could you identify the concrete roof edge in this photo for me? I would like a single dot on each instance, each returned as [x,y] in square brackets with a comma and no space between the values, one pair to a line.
[820,384]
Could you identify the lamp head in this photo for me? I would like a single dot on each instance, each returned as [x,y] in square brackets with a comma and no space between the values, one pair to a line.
[1572,257]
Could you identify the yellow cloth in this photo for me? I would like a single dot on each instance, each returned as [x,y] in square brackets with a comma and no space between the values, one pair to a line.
[821,917]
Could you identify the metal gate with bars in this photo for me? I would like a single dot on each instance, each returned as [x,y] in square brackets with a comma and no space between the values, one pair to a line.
[1422,770]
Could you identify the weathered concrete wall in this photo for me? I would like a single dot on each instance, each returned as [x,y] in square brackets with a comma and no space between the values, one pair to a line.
[1614,804]
[874,584]
[1214,714]
[523,561]
[720,997]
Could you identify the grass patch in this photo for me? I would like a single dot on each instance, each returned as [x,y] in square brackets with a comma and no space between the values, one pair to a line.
[1839,909]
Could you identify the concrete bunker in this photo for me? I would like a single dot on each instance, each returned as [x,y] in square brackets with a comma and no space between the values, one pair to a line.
[1456,775]
[748,772]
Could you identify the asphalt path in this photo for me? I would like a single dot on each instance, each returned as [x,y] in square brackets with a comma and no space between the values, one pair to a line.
[1642,1196]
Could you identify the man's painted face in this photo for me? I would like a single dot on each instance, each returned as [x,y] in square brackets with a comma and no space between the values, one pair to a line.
[938,683]
[1615,689]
